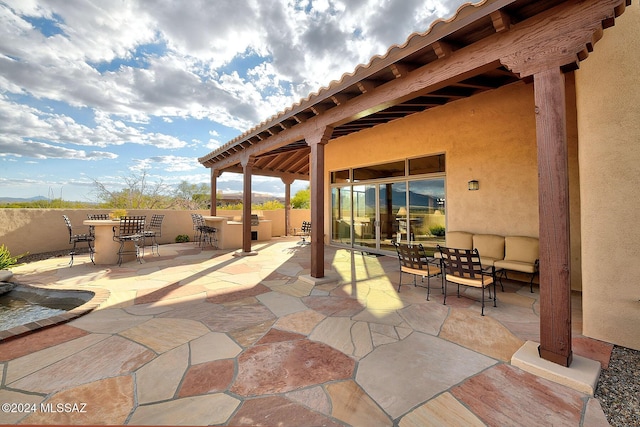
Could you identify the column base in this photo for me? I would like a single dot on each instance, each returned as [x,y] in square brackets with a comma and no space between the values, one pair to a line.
[582,375]
[318,280]
[242,254]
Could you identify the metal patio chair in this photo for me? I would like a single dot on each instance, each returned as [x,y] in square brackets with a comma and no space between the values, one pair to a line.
[153,231]
[303,232]
[130,229]
[414,260]
[92,229]
[463,267]
[204,233]
[75,238]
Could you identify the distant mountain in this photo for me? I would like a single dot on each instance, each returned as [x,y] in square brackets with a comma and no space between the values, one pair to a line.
[21,199]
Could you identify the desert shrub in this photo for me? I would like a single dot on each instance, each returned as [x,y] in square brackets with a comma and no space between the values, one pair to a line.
[6,260]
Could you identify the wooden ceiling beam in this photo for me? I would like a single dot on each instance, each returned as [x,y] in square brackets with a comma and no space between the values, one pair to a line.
[399,70]
[339,99]
[442,49]
[366,86]
[271,173]
[294,158]
[300,164]
[501,21]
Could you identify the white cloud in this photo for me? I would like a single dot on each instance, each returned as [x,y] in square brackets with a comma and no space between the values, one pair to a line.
[105,73]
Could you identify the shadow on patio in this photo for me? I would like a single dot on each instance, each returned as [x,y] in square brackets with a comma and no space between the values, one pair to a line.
[202,337]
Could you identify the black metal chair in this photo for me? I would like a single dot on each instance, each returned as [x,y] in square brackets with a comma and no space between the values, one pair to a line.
[75,238]
[463,267]
[153,231]
[204,233]
[130,229]
[92,229]
[414,260]
[303,232]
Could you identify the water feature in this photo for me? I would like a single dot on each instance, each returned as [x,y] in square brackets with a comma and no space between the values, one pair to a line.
[26,304]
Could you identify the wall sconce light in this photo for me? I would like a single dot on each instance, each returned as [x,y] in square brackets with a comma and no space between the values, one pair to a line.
[474,185]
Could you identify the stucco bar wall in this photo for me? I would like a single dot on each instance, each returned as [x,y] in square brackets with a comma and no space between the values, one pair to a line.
[489,137]
[608,103]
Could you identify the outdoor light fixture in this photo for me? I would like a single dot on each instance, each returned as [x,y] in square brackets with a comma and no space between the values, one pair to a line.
[474,185]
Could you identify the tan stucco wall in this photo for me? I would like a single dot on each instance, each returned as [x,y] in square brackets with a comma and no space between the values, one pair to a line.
[43,230]
[608,98]
[490,137]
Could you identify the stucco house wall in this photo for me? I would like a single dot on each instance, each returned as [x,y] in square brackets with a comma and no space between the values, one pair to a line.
[491,138]
[608,105]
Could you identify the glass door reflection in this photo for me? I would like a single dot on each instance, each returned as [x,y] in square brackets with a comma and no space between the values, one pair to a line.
[364,216]
[341,215]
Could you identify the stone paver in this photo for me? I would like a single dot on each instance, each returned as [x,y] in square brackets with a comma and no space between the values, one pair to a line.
[152,387]
[200,337]
[213,346]
[196,410]
[508,385]
[351,405]
[109,321]
[25,365]
[110,357]
[480,333]
[161,334]
[107,401]
[278,411]
[443,411]
[281,304]
[402,375]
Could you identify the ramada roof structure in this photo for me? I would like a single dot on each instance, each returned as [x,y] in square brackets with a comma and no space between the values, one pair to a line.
[278,143]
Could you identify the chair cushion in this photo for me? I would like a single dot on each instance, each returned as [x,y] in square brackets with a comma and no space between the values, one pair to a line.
[524,267]
[478,283]
[424,272]
[487,261]
[520,248]
[459,240]
[489,246]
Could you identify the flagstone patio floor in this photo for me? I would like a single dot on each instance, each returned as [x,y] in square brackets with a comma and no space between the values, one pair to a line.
[201,337]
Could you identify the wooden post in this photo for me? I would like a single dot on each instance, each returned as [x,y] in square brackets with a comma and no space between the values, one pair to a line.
[317,141]
[287,203]
[214,191]
[247,168]
[553,196]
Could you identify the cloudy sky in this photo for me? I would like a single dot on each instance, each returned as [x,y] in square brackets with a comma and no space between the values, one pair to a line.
[106,89]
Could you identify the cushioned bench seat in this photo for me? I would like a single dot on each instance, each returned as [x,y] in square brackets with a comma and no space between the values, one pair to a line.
[521,255]
[513,253]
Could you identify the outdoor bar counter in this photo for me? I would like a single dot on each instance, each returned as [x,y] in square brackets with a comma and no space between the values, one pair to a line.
[106,249]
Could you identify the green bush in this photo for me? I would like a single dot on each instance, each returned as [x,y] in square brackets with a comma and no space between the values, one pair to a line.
[437,230]
[182,238]
[6,260]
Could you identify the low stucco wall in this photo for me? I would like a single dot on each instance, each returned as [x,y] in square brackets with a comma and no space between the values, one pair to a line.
[608,110]
[43,230]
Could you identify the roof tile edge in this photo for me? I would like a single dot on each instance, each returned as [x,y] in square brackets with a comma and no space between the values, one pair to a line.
[376,58]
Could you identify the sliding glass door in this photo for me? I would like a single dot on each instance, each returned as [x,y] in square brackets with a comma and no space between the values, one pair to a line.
[373,206]
[374,215]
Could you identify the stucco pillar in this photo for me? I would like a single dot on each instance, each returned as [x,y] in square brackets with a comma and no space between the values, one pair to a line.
[287,203]
[553,196]
[317,142]
[247,169]
[214,191]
